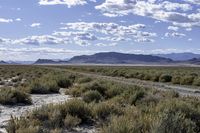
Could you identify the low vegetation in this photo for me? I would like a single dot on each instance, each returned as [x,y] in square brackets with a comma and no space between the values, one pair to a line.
[114,108]
[174,75]
[9,96]
[108,106]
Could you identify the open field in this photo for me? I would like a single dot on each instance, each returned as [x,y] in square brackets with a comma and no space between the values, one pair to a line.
[59,99]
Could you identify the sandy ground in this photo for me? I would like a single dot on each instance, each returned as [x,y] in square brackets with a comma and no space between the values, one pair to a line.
[38,101]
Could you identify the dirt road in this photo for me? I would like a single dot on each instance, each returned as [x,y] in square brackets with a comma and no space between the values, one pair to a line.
[182,90]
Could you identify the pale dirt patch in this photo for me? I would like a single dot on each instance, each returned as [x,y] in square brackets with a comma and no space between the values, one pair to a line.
[38,101]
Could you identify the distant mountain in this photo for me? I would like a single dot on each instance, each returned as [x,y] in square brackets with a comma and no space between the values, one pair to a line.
[179,56]
[118,58]
[49,61]
[23,62]
[3,63]
[195,61]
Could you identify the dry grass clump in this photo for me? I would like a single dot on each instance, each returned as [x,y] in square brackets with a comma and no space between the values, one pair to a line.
[51,83]
[9,96]
[52,117]
[92,96]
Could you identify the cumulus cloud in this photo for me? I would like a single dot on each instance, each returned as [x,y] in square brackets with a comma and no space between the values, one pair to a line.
[144,40]
[174,34]
[4,20]
[68,3]
[179,13]
[173,28]
[193,1]
[106,44]
[38,40]
[111,32]
[18,19]
[85,34]
[35,25]
[33,53]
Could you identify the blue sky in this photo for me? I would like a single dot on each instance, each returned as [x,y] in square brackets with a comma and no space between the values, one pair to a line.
[59,29]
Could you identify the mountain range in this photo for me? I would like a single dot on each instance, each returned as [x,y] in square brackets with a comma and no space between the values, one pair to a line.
[179,56]
[120,58]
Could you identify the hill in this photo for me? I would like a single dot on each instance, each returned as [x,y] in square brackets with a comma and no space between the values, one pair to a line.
[49,61]
[3,63]
[179,56]
[119,58]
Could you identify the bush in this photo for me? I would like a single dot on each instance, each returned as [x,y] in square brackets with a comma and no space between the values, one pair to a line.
[84,80]
[135,97]
[104,110]
[119,125]
[37,88]
[52,117]
[196,82]
[9,96]
[78,108]
[114,91]
[176,79]
[95,86]
[71,121]
[187,80]
[92,96]
[174,123]
[155,78]
[64,82]
[165,78]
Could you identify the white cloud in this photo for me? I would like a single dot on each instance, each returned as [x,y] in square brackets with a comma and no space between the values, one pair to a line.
[39,40]
[18,19]
[144,40]
[111,32]
[35,25]
[173,28]
[174,34]
[193,1]
[3,20]
[68,3]
[179,13]
[106,44]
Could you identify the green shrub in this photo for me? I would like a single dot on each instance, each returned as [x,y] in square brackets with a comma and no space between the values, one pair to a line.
[37,88]
[176,79]
[187,80]
[78,108]
[174,123]
[71,121]
[136,96]
[84,80]
[64,82]
[52,87]
[95,86]
[120,125]
[196,82]
[92,96]
[104,110]
[155,78]
[165,78]
[114,91]
[9,96]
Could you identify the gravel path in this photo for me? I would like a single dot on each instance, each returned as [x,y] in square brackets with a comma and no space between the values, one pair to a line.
[182,90]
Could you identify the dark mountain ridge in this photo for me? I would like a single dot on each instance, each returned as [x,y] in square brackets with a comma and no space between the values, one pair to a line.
[118,58]
[49,61]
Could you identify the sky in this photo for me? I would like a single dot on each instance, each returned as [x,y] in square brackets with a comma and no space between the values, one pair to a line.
[61,29]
